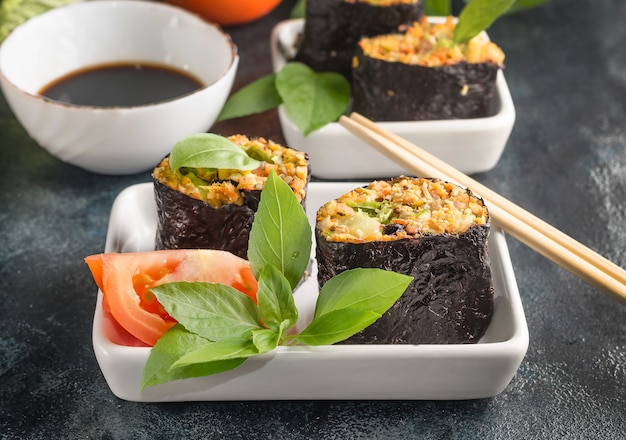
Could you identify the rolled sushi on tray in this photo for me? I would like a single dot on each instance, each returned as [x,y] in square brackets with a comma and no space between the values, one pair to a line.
[213,208]
[333,28]
[422,74]
[432,230]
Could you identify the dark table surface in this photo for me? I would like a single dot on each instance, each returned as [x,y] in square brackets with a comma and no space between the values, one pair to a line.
[565,162]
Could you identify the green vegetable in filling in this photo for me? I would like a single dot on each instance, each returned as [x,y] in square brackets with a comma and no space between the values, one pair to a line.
[382,211]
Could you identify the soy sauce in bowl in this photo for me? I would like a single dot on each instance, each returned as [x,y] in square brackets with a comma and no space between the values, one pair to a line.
[121,136]
[121,85]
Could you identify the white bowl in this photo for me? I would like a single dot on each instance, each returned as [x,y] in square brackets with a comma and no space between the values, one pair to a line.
[372,372]
[470,145]
[115,140]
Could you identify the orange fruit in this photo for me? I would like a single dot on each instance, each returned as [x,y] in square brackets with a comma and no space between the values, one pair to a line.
[228,12]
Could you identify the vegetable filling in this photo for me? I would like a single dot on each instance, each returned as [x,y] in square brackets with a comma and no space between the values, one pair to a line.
[400,208]
[219,187]
[431,45]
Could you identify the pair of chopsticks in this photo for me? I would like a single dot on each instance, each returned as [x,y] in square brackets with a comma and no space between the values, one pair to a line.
[530,230]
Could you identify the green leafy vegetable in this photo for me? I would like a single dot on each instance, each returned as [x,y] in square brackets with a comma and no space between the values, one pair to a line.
[298,10]
[521,5]
[282,236]
[336,326]
[219,327]
[310,98]
[256,97]
[224,314]
[437,7]
[518,6]
[350,302]
[208,150]
[265,340]
[275,297]
[214,352]
[477,16]
[171,347]
[360,289]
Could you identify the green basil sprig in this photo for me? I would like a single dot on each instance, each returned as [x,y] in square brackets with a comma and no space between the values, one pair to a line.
[280,234]
[256,97]
[312,99]
[219,327]
[208,150]
[477,16]
[438,7]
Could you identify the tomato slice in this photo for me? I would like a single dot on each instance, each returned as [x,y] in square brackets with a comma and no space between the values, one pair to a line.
[125,280]
[114,331]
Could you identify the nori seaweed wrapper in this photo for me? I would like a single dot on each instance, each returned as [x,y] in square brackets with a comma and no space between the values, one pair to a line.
[394,91]
[188,223]
[333,28]
[449,301]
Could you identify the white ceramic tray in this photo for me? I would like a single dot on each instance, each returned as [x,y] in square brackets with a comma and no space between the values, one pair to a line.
[406,372]
[470,145]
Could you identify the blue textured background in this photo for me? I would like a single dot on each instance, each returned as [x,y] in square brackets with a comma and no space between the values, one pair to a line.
[565,162]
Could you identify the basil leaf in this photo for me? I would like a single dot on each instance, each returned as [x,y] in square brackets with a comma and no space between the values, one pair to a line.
[258,96]
[298,10]
[275,299]
[477,16]
[336,326]
[521,5]
[213,311]
[218,351]
[437,7]
[208,150]
[281,234]
[312,99]
[265,340]
[174,344]
[373,290]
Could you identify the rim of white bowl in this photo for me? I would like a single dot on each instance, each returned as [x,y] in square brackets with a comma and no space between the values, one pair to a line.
[234,58]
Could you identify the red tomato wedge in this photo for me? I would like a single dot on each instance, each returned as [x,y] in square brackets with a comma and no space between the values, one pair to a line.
[125,280]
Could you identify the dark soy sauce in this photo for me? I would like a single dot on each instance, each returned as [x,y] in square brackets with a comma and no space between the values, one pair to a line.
[121,85]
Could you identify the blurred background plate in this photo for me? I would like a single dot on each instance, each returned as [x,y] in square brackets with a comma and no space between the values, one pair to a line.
[470,145]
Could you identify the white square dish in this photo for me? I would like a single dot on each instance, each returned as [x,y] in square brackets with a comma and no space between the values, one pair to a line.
[338,372]
[470,145]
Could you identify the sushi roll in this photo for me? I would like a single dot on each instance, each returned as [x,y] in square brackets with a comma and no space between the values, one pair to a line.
[423,74]
[333,28]
[214,208]
[432,230]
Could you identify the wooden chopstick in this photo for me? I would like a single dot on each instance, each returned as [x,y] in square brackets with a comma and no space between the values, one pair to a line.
[519,223]
[450,172]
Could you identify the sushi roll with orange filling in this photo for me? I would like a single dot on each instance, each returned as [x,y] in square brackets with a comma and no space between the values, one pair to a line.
[432,230]
[210,208]
[423,74]
[333,28]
